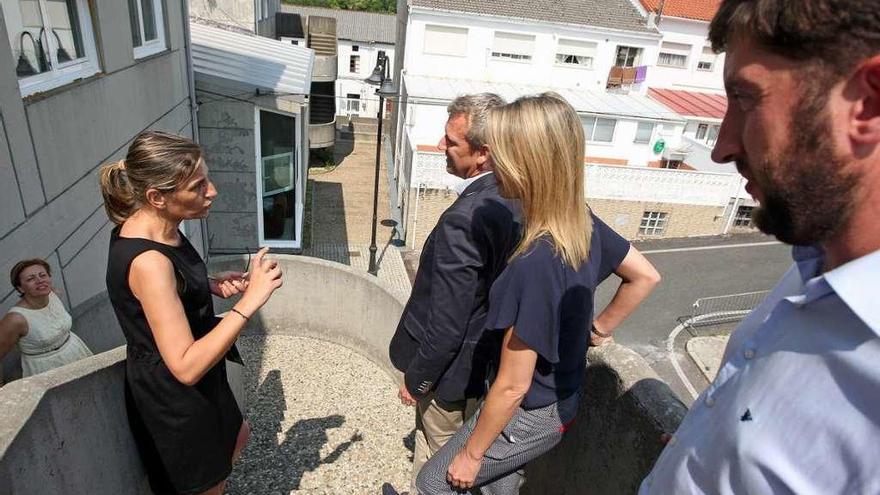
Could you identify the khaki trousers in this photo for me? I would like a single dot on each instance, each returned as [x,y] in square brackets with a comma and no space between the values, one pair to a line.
[436,422]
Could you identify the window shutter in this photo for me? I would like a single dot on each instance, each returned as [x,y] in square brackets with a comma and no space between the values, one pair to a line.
[445,40]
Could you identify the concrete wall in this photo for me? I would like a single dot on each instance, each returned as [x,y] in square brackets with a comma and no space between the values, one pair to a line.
[348,82]
[226,132]
[695,34]
[55,142]
[615,439]
[239,14]
[543,70]
[66,431]
[426,206]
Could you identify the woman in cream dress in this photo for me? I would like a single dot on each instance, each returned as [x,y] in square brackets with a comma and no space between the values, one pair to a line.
[38,324]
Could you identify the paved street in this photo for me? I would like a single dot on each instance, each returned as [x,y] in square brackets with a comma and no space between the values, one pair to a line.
[731,265]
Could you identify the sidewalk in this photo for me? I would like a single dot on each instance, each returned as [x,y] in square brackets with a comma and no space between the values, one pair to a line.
[341,203]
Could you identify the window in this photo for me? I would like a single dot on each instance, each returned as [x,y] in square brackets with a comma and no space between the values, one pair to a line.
[743,217]
[674,55]
[707,133]
[279,200]
[713,135]
[355,48]
[707,60]
[354,63]
[353,104]
[147,27]
[598,129]
[445,40]
[644,132]
[51,40]
[702,129]
[653,223]
[628,56]
[513,46]
[576,53]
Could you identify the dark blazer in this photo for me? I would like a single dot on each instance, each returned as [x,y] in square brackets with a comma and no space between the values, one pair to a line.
[439,343]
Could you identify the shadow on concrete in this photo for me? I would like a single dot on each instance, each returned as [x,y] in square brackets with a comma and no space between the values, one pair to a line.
[328,220]
[342,149]
[615,440]
[276,464]
[409,442]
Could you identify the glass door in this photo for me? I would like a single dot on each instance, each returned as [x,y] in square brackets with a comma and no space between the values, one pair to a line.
[279,202]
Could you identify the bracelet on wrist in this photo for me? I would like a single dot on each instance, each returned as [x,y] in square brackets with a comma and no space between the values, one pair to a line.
[239,313]
[600,334]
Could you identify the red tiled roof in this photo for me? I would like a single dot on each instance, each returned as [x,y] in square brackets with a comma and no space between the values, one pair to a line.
[701,10]
[691,103]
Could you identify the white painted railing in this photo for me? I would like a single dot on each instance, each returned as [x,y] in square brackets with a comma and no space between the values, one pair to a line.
[660,185]
[614,182]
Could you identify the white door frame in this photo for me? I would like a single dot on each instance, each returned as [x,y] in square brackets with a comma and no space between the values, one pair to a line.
[298,176]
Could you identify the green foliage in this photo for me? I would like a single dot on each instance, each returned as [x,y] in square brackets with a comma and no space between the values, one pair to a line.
[381,6]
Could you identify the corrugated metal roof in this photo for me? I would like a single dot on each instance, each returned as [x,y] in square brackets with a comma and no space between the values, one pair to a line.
[253,60]
[353,25]
[613,14]
[596,102]
[691,103]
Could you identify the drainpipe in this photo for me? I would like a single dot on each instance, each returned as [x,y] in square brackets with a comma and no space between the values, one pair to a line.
[193,103]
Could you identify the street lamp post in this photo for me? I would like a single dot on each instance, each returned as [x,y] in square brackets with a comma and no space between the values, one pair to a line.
[386,89]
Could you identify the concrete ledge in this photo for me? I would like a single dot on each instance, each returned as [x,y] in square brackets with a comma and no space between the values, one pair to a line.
[66,431]
[327,301]
[615,439]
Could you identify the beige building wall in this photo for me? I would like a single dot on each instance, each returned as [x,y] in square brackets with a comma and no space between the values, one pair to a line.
[623,216]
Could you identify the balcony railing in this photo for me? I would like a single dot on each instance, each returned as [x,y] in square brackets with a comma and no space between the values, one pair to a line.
[613,182]
[626,78]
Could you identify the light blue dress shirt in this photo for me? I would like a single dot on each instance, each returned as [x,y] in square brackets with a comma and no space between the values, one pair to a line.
[795,407]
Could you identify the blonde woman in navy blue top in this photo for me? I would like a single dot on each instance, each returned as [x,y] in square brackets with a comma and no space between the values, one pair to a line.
[542,302]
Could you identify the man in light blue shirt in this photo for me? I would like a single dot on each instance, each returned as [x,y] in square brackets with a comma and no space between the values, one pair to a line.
[795,407]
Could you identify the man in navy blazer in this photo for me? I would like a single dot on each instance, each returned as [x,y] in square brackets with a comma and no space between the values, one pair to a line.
[439,343]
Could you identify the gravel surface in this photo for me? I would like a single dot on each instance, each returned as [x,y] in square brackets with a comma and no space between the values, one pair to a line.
[324,420]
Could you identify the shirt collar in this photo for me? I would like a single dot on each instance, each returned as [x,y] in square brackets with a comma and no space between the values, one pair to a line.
[854,283]
[851,282]
[463,184]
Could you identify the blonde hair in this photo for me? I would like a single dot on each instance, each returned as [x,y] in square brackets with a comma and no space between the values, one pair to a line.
[537,146]
[155,160]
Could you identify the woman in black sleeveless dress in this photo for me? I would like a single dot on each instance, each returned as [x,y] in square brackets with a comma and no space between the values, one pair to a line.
[182,413]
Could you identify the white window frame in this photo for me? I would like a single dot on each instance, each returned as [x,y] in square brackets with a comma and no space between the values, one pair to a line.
[577,52]
[157,45]
[708,57]
[744,221]
[65,74]
[671,49]
[637,60]
[589,136]
[653,223]
[511,56]
[298,186]
[650,135]
[459,30]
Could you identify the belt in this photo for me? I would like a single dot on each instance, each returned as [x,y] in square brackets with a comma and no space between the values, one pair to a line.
[59,346]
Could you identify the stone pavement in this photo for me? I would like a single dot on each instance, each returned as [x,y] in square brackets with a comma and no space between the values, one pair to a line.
[342,199]
[341,203]
[707,353]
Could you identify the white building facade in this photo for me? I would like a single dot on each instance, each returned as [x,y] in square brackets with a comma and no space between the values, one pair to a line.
[604,68]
